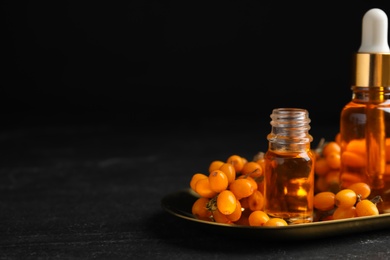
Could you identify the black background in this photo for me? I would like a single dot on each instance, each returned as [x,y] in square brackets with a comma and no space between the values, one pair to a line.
[138,61]
[105,108]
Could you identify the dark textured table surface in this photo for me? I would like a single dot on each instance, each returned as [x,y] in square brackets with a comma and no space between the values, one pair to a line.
[94,191]
[107,108]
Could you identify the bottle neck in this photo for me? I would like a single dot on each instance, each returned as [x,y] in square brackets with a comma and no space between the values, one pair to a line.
[370,94]
[290,130]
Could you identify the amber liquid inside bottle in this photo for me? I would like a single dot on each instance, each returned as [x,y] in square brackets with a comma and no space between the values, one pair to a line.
[289,167]
[365,144]
[289,186]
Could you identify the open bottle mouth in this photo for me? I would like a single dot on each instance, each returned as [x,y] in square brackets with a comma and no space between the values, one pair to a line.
[290,125]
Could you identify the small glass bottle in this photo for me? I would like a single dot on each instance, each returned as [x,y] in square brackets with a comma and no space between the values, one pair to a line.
[289,167]
[365,120]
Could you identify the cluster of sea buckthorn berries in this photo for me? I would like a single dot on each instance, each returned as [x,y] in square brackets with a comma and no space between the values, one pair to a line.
[327,166]
[232,191]
[346,203]
[330,201]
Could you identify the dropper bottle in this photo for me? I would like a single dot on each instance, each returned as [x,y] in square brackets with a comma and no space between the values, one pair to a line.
[365,120]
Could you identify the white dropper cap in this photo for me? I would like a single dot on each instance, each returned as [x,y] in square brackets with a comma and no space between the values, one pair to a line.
[374,32]
[372,61]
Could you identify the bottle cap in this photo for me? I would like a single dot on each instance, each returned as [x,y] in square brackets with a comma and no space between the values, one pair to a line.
[374,32]
[372,61]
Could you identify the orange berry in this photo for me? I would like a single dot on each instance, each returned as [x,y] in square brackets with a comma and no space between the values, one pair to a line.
[242,187]
[333,160]
[229,170]
[345,198]
[220,218]
[348,178]
[324,200]
[361,188]
[330,148]
[321,166]
[218,181]
[252,169]
[357,146]
[276,222]
[237,161]
[236,215]
[353,159]
[226,202]
[342,213]
[215,165]
[195,178]
[366,208]
[252,180]
[202,187]
[258,218]
[256,201]
[200,210]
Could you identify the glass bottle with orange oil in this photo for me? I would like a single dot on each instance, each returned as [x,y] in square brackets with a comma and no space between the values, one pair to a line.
[365,120]
[289,167]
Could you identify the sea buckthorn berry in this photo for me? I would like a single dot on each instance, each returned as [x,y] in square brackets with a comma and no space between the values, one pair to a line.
[334,160]
[229,170]
[275,222]
[200,210]
[348,178]
[242,187]
[357,146]
[202,187]
[324,200]
[236,215]
[237,161]
[331,147]
[366,208]
[353,159]
[258,218]
[218,181]
[256,201]
[252,181]
[345,198]
[215,165]
[252,169]
[321,166]
[361,188]
[196,177]
[342,213]
[221,218]
[226,202]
